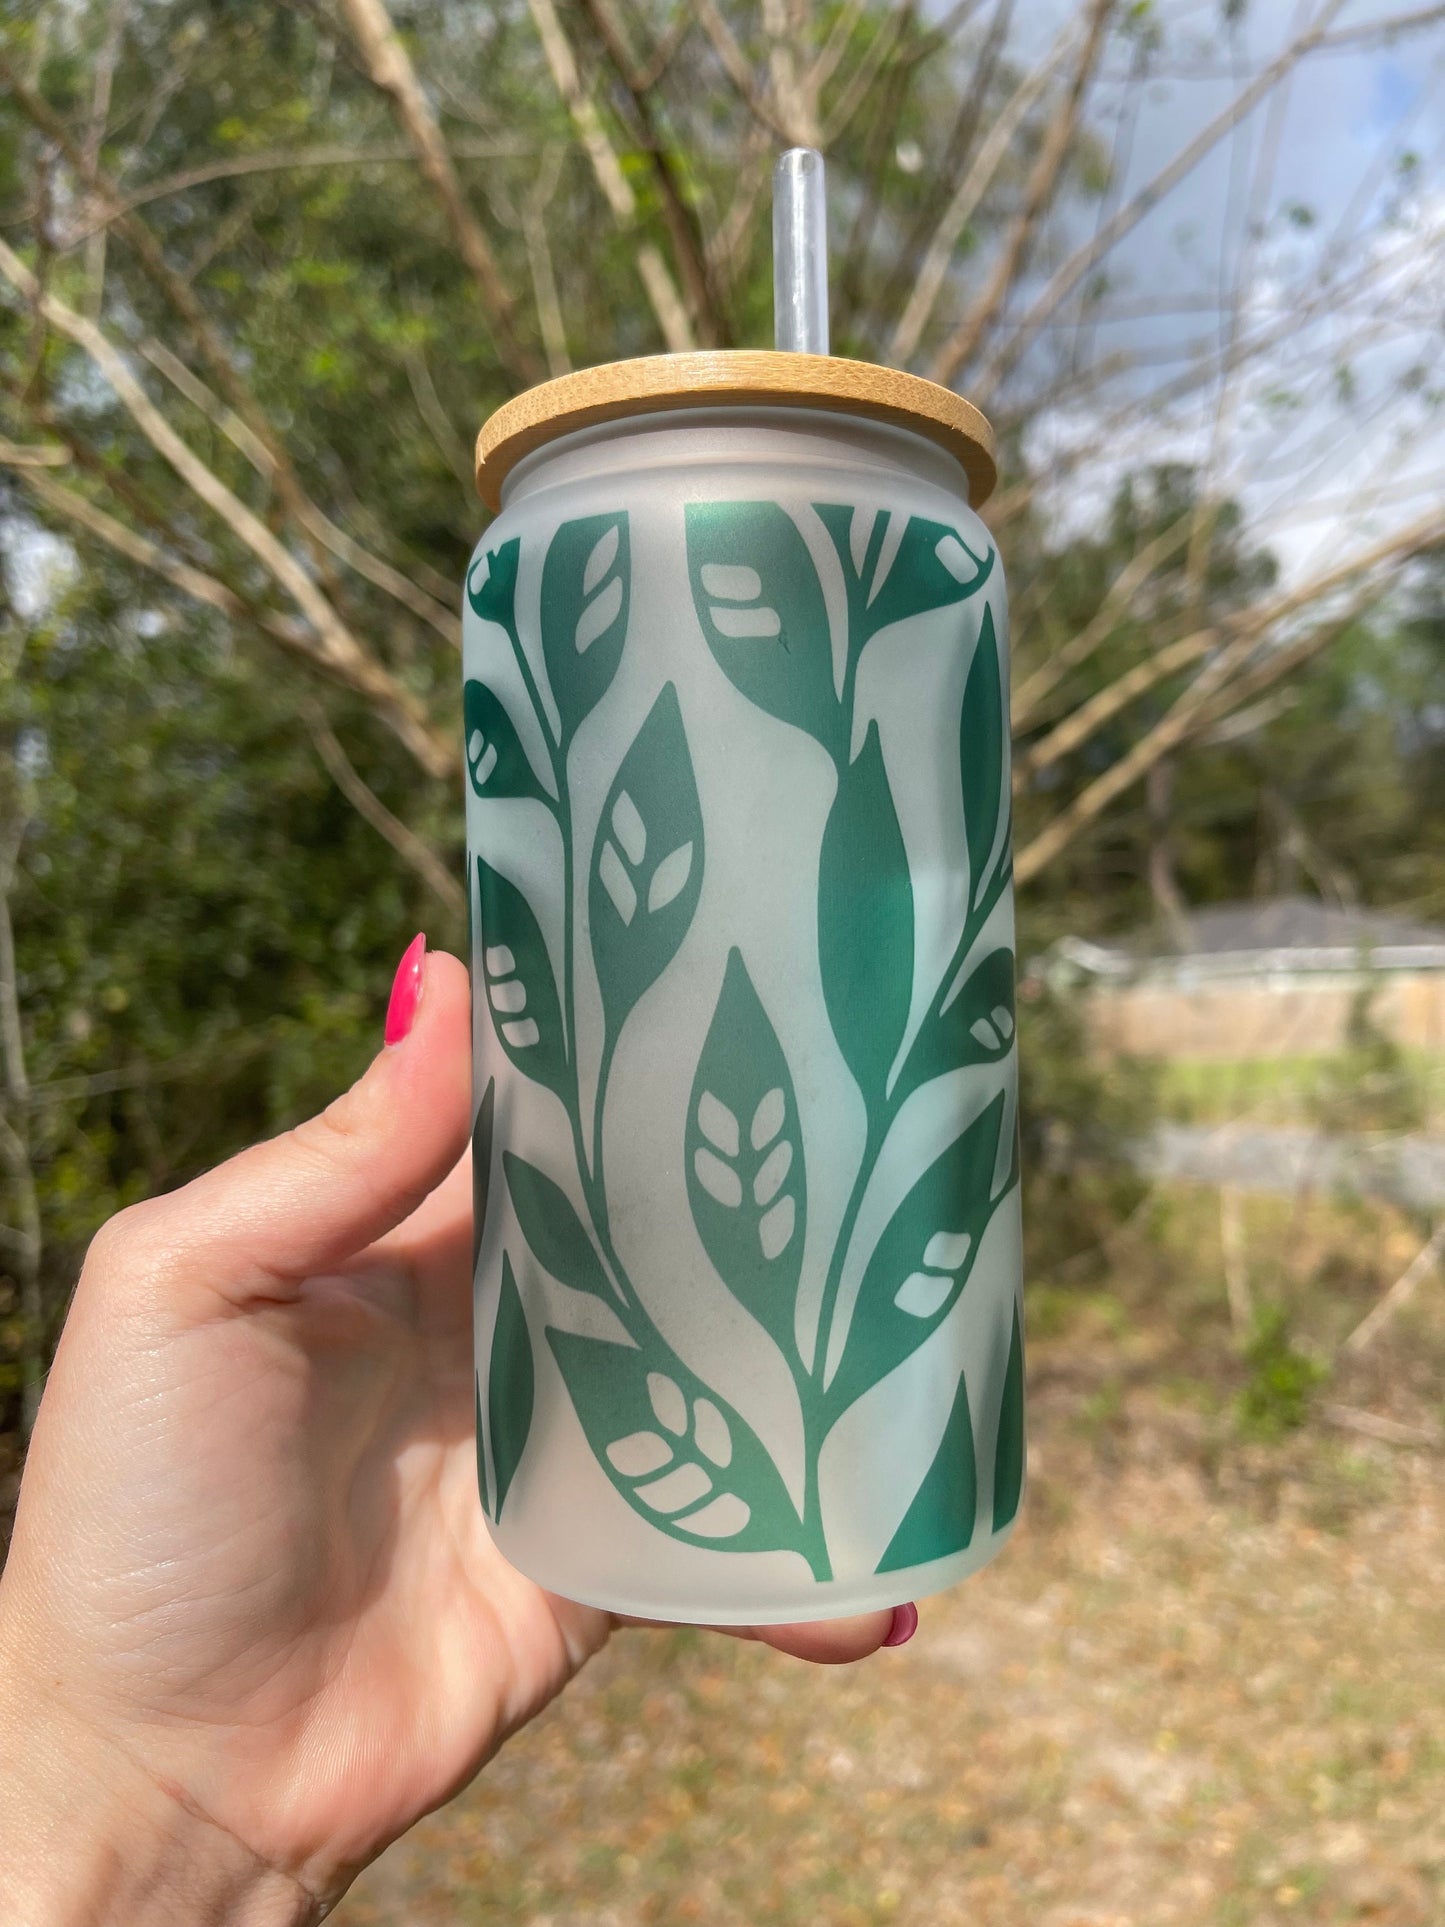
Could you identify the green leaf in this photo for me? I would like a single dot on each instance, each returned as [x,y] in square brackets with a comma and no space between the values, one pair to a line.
[482,1167]
[744,1155]
[552,1229]
[511,1378]
[940,1520]
[923,1259]
[932,568]
[482,1491]
[492,585]
[1008,1457]
[586,595]
[973,1025]
[983,744]
[865,921]
[676,1452]
[646,862]
[496,762]
[521,989]
[758,598]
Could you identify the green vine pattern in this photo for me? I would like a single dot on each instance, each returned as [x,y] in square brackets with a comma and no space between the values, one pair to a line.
[672,1446]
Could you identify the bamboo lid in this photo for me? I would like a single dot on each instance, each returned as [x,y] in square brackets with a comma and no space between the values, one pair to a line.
[742,376]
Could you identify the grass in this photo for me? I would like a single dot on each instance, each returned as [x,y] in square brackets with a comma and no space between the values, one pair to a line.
[1303,1090]
[1201,1687]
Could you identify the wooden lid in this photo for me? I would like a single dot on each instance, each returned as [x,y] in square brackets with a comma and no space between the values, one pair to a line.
[727,377]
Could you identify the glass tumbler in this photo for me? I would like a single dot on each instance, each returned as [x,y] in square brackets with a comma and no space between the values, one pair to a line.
[747,1280]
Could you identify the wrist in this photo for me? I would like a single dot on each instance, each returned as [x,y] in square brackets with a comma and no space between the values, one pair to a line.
[87,1839]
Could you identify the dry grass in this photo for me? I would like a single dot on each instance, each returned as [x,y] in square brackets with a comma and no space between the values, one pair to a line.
[1203,1686]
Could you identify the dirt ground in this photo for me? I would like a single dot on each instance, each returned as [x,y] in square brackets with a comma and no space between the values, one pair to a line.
[1204,1687]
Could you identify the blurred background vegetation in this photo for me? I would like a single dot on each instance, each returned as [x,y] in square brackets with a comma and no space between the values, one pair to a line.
[264,269]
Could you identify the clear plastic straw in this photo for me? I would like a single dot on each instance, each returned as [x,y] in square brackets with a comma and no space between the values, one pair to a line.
[800,253]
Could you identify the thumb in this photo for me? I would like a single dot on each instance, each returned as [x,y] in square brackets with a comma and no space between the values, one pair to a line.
[310,1199]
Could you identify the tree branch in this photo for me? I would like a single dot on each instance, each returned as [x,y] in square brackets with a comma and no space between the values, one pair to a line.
[681,223]
[180,296]
[1042,183]
[1107,237]
[735,65]
[373,568]
[1201,703]
[368,805]
[390,68]
[1079,648]
[652,270]
[938,256]
[343,654]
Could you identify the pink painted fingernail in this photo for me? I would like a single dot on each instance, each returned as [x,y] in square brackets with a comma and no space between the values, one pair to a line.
[905,1625]
[406,990]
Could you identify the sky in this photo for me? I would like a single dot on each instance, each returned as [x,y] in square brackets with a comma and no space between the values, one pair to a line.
[1319,458]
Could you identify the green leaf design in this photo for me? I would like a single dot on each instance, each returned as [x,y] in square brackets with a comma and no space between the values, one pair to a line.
[744,1156]
[552,1229]
[521,989]
[480,1437]
[496,762]
[586,595]
[940,1520]
[865,920]
[1008,1457]
[761,607]
[511,1379]
[923,1260]
[681,1457]
[482,1167]
[646,862]
[492,585]
[974,1024]
[931,568]
[983,744]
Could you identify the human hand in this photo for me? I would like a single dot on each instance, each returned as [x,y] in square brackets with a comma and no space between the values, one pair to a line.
[252,1625]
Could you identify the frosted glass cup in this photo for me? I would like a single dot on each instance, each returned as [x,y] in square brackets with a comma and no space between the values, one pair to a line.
[748,1342]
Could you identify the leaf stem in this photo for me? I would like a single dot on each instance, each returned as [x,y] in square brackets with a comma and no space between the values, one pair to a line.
[881,1121]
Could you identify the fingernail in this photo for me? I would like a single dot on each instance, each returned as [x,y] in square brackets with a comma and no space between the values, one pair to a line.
[905,1625]
[406,990]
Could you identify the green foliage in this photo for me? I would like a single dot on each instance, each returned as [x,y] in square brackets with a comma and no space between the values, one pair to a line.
[1282,1379]
[1075,1113]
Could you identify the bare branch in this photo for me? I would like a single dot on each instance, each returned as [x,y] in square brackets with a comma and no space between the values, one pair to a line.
[661,291]
[943,180]
[544,278]
[1079,648]
[33,455]
[1200,704]
[196,583]
[367,804]
[1107,237]
[376,571]
[101,84]
[429,406]
[1399,1294]
[283,160]
[937,257]
[794,101]
[840,36]
[1039,191]
[884,46]
[739,72]
[390,68]
[175,290]
[681,224]
[338,647]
